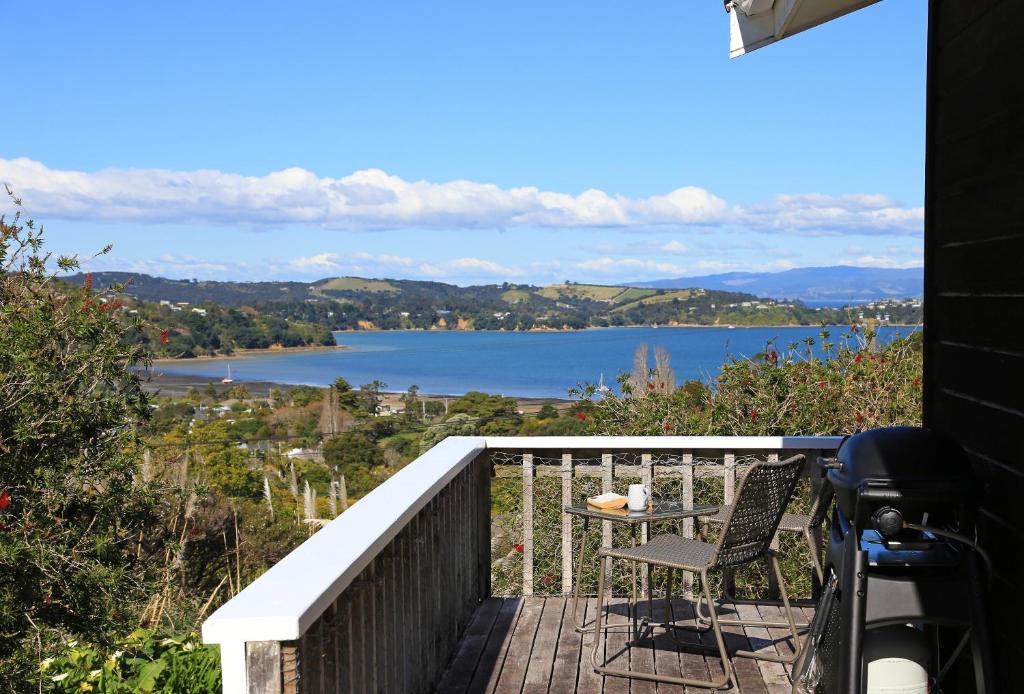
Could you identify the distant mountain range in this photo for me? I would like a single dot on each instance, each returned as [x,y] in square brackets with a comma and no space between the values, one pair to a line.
[820,286]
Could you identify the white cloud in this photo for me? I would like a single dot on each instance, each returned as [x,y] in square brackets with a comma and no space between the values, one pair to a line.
[816,213]
[166,264]
[608,265]
[337,261]
[485,267]
[374,199]
[379,264]
[881,261]
[675,247]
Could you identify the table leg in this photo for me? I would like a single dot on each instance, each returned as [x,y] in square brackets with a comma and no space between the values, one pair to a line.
[580,628]
[650,584]
[634,605]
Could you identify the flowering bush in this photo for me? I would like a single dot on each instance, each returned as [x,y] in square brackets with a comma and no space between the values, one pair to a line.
[140,664]
[830,388]
[76,525]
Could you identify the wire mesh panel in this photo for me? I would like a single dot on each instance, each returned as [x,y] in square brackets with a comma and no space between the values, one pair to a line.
[695,478]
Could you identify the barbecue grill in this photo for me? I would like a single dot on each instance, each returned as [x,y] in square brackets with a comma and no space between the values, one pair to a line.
[901,565]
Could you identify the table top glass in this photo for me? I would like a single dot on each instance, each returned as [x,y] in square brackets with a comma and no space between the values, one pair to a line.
[660,510]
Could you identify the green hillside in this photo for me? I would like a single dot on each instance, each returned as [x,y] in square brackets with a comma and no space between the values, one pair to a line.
[273,313]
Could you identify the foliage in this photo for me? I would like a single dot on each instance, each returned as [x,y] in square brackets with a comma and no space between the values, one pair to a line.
[358,458]
[73,512]
[143,663]
[833,388]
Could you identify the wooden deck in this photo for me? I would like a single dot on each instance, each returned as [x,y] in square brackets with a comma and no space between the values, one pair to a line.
[529,645]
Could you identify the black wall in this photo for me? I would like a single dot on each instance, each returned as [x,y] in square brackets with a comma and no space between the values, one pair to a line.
[974,278]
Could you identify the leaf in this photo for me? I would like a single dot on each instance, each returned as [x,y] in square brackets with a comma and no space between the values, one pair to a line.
[148,674]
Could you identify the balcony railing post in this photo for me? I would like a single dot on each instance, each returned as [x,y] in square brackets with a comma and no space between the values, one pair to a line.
[607,477]
[728,497]
[729,477]
[527,524]
[773,584]
[688,522]
[646,479]
[566,523]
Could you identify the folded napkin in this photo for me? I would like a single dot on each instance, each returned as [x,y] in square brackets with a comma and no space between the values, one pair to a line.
[608,500]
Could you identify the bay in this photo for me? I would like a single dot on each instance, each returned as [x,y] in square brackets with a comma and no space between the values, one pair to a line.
[518,364]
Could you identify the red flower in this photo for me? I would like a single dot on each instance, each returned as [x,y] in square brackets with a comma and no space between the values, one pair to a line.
[753,414]
[820,384]
[857,359]
[165,337]
[917,381]
[667,426]
[773,357]
[582,416]
[650,386]
[87,283]
[86,305]
[518,548]
[860,418]
[5,500]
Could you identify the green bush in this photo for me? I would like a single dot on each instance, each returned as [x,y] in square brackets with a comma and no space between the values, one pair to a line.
[77,524]
[143,663]
[833,388]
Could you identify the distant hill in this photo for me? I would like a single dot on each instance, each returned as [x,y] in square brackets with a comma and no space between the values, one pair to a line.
[358,303]
[836,285]
[150,288]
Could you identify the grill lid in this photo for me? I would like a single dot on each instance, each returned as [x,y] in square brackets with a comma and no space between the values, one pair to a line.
[907,469]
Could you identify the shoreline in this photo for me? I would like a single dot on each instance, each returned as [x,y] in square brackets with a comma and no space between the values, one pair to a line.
[243,353]
[727,326]
[176,385]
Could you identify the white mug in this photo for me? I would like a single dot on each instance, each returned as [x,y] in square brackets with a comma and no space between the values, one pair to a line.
[638,497]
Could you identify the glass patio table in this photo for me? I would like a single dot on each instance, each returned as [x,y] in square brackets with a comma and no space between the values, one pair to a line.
[660,510]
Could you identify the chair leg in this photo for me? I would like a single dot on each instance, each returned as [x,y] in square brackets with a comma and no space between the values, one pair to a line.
[815,555]
[706,622]
[602,669]
[773,561]
[602,565]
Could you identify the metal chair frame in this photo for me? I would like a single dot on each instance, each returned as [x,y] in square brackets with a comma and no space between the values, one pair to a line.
[791,522]
[761,500]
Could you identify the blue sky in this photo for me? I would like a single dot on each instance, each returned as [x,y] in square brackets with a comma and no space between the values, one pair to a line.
[464,142]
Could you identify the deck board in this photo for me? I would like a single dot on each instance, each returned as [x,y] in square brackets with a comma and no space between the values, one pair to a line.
[529,645]
[520,650]
[539,668]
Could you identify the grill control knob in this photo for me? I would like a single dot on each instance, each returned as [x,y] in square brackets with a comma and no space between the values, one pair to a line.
[888,521]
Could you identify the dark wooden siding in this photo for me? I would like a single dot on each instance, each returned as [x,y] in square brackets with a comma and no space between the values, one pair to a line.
[974,276]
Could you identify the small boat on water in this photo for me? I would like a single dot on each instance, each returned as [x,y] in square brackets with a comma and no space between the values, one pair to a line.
[228,378]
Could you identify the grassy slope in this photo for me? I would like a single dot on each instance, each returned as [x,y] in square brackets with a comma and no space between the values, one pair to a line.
[357,284]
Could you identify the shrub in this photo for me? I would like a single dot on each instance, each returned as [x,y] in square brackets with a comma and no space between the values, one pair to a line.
[839,389]
[75,522]
[143,663]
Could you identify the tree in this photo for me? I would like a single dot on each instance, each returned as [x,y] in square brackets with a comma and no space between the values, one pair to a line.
[358,458]
[370,396]
[72,510]
[547,411]
[411,403]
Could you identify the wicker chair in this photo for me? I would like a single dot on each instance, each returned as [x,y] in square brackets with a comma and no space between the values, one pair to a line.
[761,500]
[791,522]
[794,523]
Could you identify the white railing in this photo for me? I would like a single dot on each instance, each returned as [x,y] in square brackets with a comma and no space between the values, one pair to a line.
[613,462]
[424,529]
